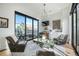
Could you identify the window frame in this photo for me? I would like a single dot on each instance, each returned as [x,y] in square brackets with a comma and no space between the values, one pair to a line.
[26,16]
[74,10]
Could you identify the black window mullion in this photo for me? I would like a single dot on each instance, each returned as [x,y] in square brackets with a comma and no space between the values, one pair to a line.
[38,29]
[25,28]
[72,30]
[76,26]
[32,29]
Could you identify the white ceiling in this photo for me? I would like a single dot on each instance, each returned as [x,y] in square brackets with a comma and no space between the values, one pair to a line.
[51,8]
[38,8]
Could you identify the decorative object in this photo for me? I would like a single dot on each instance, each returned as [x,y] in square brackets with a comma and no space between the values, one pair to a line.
[49,43]
[45,28]
[3,22]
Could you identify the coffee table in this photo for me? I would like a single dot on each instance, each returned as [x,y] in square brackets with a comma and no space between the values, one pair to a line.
[58,50]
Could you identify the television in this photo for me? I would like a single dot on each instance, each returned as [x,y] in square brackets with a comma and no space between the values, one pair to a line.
[45,23]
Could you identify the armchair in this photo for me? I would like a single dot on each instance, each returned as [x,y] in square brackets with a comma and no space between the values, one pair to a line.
[15,46]
[61,39]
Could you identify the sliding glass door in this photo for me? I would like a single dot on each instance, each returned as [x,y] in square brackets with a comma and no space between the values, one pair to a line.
[20,26]
[29,28]
[35,24]
[26,27]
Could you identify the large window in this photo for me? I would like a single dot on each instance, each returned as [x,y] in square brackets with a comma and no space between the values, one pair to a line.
[26,27]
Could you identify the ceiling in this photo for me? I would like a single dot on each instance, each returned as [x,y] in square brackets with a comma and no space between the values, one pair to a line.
[38,8]
[51,8]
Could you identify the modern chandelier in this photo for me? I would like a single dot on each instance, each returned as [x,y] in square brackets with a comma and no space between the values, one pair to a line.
[44,11]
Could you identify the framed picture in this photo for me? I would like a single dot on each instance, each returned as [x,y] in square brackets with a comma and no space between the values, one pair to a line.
[57,25]
[3,22]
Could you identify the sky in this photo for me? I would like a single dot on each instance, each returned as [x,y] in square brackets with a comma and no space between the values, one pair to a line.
[21,19]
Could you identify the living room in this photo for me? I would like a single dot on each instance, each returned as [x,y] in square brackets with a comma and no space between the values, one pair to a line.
[38,26]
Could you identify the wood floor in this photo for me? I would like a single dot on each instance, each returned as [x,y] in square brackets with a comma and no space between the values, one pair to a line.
[69,50]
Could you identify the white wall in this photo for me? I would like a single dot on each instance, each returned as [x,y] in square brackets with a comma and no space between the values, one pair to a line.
[7,11]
